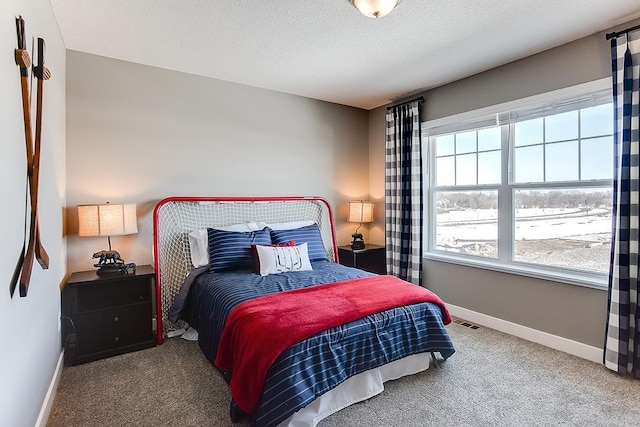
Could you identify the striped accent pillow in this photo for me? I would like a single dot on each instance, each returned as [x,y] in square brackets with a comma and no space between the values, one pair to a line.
[231,250]
[309,234]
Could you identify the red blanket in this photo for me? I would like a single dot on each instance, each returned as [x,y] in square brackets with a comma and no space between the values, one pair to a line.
[258,330]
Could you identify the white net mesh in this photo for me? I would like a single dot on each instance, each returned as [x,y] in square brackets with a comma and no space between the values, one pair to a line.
[175,219]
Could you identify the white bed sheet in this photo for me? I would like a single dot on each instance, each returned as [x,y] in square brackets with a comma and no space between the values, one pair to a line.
[356,389]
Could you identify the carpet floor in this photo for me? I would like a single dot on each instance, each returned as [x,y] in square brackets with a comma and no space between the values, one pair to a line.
[493,379]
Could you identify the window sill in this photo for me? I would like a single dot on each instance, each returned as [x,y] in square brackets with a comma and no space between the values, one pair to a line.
[588,280]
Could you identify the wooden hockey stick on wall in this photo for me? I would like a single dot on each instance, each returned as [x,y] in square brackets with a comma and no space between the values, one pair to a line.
[42,73]
[24,62]
[34,248]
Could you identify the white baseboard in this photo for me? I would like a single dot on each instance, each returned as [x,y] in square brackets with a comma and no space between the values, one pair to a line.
[45,410]
[566,345]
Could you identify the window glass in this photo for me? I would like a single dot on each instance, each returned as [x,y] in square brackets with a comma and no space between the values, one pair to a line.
[445,145]
[467,222]
[529,164]
[596,160]
[489,139]
[466,169]
[468,166]
[596,121]
[466,142]
[528,132]
[445,171]
[561,127]
[561,161]
[564,227]
[489,171]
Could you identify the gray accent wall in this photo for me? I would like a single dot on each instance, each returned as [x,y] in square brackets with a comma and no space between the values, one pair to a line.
[30,347]
[139,134]
[569,311]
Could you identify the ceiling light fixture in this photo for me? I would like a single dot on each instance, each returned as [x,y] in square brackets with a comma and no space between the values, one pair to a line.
[375,8]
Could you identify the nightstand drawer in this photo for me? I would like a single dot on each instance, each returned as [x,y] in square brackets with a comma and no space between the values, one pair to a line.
[372,258]
[113,294]
[107,329]
[107,316]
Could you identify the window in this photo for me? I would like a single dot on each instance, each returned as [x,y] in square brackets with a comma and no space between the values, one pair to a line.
[526,189]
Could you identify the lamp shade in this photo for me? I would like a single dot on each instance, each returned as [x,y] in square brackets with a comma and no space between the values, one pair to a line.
[375,8]
[360,211]
[107,220]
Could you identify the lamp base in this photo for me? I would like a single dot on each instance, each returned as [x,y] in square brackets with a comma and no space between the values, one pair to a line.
[110,263]
[357,244]
[115,269]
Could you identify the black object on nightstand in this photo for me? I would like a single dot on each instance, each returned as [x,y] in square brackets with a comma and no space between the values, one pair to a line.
[372,258]
[106,316]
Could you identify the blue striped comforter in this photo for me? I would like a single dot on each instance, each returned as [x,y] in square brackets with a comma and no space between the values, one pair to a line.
[316,365]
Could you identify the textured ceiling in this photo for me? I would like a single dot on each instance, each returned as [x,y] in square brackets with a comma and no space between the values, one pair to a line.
[325,49]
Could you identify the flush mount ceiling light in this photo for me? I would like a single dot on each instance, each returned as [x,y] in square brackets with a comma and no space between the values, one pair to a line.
[375,8]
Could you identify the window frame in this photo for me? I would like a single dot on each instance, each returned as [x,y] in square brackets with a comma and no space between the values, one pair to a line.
[505,261]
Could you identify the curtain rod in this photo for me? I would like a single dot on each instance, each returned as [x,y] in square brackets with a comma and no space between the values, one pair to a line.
[619,33]
[420,98]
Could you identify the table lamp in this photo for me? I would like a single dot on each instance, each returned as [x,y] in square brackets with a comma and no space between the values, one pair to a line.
[360,212]
[108,220]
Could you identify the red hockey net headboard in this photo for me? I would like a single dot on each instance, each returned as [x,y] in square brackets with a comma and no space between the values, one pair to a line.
[175,217]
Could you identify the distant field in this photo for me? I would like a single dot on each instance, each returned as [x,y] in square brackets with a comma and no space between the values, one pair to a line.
[577,237]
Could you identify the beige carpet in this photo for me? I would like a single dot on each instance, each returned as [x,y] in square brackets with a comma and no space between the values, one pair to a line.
[493,380]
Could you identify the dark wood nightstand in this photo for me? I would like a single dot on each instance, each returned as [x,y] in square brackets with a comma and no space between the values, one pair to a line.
[106,316]
[372,258]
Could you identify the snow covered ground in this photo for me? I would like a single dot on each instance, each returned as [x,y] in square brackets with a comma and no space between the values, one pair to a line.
[570,237]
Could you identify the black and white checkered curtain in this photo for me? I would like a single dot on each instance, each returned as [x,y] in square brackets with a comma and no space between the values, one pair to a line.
[622,342]
[403,192]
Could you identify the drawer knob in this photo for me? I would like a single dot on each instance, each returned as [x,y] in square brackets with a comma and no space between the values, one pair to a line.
[115,319]
[116,339]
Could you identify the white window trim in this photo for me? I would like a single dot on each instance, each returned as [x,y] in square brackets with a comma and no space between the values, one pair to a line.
[578,278]
[543,98]
[572,277]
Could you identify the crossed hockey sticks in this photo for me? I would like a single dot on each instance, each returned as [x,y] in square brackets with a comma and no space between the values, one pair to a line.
[34,246]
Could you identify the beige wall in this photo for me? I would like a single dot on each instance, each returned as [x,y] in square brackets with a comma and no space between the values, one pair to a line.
[568,311]
[376,172]
[140,134]
[581,61]
[31,340]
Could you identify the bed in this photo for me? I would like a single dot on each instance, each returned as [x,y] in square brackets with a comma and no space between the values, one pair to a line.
[300,374]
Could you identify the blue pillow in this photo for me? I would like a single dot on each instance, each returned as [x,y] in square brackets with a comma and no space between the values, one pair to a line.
[309,235]
[231,250]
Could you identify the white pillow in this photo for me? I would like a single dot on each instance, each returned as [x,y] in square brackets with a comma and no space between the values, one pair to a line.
[199,240]
[199,248]
[281,259]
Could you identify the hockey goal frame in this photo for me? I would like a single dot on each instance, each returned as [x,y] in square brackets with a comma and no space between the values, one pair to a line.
[175,217]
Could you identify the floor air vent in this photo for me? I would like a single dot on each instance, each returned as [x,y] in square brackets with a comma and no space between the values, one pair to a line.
[466,324]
